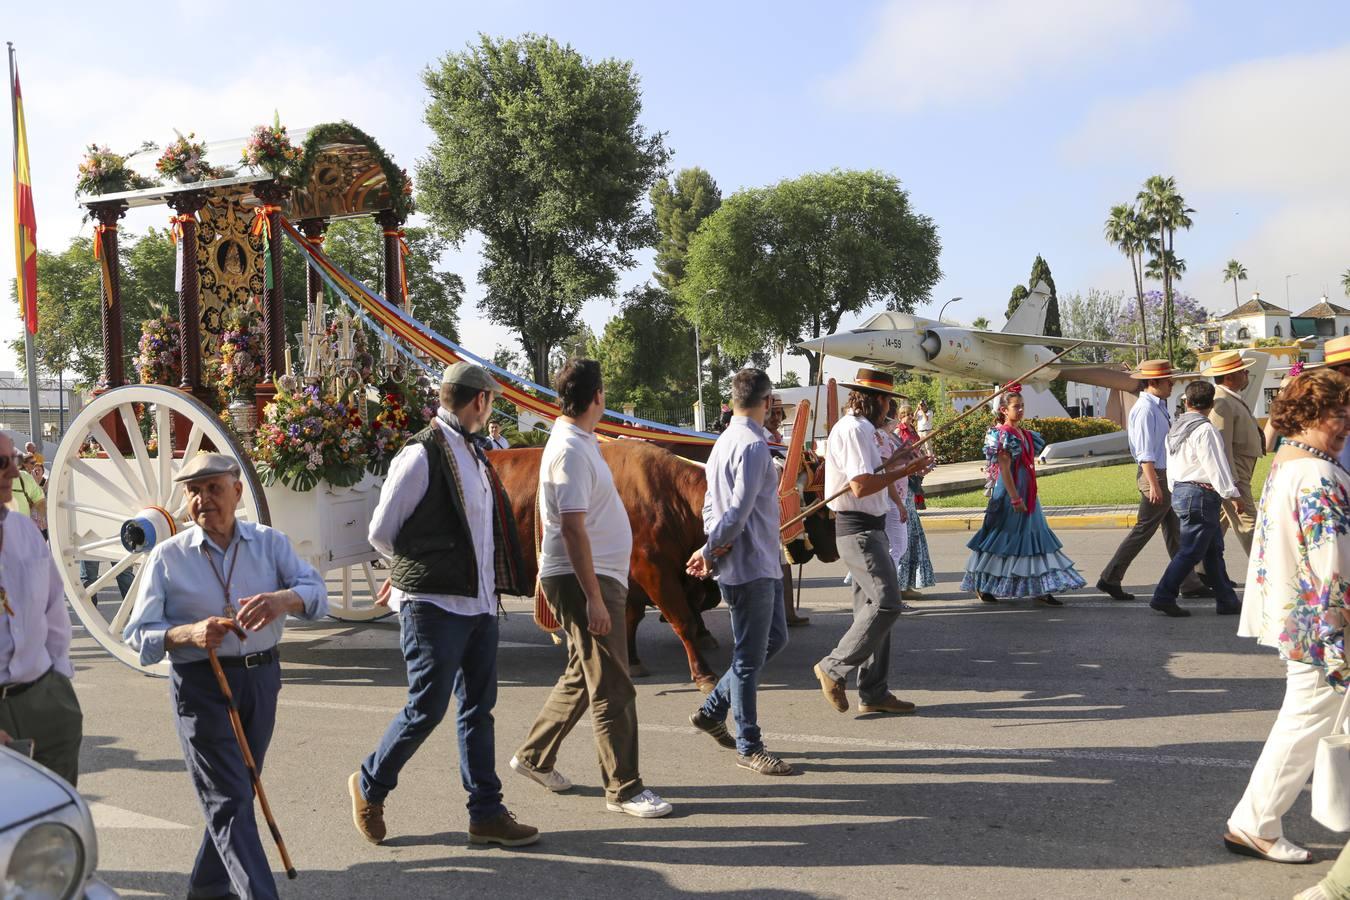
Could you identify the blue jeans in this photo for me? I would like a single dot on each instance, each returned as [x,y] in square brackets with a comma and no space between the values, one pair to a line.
[759,630]
[446,653]
[1201,541]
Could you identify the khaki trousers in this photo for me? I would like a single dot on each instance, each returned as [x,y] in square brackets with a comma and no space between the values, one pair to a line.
[1243,523]
[597,678]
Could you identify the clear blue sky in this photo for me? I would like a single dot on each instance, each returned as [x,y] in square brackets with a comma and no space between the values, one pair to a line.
[1015,124]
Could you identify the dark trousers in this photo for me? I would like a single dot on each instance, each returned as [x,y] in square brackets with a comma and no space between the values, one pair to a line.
[447,654]
[596,678]
[1150,518]
[231,857]
[1201,541]
[759,629]
[48,714]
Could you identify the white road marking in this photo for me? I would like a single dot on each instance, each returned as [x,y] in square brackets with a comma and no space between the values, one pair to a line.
[109,816]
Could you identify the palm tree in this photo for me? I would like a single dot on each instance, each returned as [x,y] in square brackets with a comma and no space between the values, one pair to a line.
[1235,272]
[1175,268]
[1127,231]
[1345,281]
[1167,211]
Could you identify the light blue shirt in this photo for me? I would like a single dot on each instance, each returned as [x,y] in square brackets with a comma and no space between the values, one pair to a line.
[1345,455]
[740,507]
[179,587]
[1148,425]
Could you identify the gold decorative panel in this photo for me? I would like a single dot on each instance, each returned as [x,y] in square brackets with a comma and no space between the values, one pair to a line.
[230,263]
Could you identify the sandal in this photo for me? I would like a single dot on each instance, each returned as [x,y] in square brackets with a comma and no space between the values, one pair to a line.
[1281,851]
[987,597]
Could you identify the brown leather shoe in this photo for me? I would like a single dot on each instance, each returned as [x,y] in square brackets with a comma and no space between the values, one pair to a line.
[889,704]
[369,817]
[504,830]
[833,690]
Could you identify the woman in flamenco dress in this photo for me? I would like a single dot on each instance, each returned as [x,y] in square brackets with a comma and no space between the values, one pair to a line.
[1015,554]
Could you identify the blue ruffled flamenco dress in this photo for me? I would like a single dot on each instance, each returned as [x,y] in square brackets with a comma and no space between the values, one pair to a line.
[1015,554]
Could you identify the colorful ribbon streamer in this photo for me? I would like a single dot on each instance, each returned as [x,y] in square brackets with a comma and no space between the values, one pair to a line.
[262,220]
[176,224]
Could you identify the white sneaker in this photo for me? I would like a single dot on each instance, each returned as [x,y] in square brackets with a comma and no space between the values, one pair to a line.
[552,779]
[646,805]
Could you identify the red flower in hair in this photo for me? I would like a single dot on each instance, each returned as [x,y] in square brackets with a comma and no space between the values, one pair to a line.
[1013,387]
[1296,369]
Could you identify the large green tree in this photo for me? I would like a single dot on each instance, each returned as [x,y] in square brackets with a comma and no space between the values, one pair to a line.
[540,150]
[647,352]
[781,265]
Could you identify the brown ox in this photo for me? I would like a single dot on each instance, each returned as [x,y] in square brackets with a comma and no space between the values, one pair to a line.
[663,495]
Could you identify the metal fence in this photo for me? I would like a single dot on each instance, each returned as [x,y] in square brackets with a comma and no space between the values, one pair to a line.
[54,421]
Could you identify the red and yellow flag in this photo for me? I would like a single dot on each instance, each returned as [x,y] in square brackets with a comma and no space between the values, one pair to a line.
[25,217]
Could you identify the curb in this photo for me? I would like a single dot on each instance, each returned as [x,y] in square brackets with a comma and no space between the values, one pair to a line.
[973,522]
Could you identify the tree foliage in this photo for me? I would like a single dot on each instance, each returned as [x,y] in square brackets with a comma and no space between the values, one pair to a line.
[680,207]
[1235,272]
[1095,316]
[780,265]
[647,352]
[1015,298]
[540,150]
[1040,271]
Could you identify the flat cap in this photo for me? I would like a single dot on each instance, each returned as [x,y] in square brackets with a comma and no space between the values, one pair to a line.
[207,465]
[471,376]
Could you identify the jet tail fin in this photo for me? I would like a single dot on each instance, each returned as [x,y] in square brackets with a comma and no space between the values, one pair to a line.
[1029,317]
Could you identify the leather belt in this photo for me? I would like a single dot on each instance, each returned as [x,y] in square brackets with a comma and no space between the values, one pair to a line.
[18,687]
[251,661]
[1201,484]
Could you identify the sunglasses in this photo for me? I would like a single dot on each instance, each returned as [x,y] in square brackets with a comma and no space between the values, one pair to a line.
[8,461]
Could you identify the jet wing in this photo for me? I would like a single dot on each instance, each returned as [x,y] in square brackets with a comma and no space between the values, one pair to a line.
[1045,340]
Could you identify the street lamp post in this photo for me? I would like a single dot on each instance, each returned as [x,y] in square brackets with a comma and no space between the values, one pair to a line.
[944,308]
[1286,290]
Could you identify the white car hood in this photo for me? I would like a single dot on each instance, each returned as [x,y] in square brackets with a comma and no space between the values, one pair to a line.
[28,789]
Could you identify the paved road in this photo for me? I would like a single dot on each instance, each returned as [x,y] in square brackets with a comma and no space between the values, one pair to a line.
[1085,752]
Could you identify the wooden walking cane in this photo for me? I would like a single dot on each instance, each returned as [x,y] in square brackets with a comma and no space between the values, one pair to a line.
[248,761]
[1003,389]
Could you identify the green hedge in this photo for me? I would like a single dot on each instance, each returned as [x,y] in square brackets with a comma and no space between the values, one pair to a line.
[965,441]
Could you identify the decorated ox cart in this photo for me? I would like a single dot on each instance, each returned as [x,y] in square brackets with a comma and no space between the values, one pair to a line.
[312,437]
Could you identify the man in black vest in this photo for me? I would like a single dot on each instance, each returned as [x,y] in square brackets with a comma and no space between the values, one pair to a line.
[445,524]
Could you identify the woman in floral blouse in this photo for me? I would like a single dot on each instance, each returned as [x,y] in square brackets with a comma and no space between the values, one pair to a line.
[1295,602]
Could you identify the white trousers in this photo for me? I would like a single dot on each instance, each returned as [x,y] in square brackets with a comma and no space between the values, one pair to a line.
[1286,762]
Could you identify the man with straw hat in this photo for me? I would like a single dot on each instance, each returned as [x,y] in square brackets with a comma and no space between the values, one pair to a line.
[1147,428]
[228,586]
[1243,442]
[853,461]
[1336,355]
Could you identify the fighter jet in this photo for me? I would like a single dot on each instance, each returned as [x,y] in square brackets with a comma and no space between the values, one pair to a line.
[906,341]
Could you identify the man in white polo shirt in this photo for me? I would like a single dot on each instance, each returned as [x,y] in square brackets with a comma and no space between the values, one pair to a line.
[583,568]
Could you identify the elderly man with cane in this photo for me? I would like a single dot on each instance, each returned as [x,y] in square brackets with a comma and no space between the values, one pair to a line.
[221,591]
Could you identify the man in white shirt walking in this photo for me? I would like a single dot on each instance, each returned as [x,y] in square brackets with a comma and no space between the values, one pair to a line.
[1199,477]
[853,465]
[583,569]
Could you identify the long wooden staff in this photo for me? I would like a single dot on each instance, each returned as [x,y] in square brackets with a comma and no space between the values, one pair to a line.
[1003,389]
[248,761]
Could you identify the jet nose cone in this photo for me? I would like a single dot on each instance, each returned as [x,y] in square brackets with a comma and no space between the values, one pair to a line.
[845,345]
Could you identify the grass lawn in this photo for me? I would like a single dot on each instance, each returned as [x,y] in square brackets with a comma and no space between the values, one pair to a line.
[1100,486]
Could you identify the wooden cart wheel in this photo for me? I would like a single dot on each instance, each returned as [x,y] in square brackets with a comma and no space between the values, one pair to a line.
[352,605]
[98,505]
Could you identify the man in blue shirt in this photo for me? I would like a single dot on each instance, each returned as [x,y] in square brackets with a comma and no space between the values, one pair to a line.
[1147,429]
[740,517]
[227,586]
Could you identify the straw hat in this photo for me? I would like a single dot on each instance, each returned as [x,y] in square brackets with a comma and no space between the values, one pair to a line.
[1150,369]
[873,382]
[1226,363]
[1336,353]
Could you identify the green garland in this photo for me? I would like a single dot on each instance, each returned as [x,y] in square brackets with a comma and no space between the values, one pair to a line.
[346,132]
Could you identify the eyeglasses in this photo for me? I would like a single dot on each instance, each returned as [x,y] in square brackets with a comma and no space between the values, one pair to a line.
[8,461]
